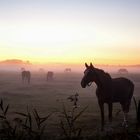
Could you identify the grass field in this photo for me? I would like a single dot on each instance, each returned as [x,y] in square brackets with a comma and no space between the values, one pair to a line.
[47,97]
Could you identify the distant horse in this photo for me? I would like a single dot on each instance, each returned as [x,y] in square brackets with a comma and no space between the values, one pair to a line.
[26,76]
[109,90]
[50,75]
[122,71]
[68,70]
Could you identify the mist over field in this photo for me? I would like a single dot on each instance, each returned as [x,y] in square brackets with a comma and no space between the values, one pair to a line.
[17,65]
[56,56]
[48,96]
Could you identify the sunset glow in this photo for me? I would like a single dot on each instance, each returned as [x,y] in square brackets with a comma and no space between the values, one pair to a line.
[58,31]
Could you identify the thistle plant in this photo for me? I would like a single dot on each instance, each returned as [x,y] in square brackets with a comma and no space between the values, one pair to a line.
[33,124]
[7,130]
[74,99]
[69,118]
[26,126]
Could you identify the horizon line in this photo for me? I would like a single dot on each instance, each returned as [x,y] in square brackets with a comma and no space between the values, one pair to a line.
[20,61]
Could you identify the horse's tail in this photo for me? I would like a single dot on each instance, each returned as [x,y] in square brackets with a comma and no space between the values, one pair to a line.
[137,107]
[135,103]
[131,90]
[130,96]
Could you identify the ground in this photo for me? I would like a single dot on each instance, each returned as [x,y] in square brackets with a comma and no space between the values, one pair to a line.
[48,97]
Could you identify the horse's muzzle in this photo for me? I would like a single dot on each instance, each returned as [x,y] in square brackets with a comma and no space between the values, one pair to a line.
[83,85]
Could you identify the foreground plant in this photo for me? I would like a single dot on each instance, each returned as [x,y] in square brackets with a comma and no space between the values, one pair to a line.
[69,118]
[7,130]
[33,124]
[27,126]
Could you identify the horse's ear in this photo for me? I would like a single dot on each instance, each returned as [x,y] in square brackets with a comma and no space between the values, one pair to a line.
[91,65]
[86,65]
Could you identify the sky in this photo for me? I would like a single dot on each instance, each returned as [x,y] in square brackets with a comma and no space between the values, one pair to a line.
[71,31]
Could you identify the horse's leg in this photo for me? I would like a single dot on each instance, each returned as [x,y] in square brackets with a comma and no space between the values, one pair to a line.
[22,79]
[28,80]
[125,123]
[125,109]
[110,112]
[101,105]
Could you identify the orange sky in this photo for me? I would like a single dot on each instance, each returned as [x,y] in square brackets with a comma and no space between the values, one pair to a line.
[71,32]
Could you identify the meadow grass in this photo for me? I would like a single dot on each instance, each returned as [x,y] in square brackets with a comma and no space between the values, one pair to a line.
[47,98]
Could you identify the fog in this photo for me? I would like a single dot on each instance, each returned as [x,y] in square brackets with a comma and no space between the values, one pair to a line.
[58,67]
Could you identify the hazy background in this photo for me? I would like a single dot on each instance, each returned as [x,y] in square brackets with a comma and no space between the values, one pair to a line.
[52,35]
[70,31]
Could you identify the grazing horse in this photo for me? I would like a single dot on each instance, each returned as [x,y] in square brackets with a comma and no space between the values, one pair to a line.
[26,76]
[109,90]
[50,75]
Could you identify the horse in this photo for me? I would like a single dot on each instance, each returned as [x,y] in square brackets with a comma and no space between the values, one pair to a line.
[50,75]
[109,90]
[26,76]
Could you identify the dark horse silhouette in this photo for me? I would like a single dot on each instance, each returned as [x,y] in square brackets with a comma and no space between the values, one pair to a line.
[26,76]
[109,90]
[50,75]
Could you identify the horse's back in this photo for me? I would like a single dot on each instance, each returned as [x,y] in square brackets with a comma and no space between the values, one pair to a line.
[23,74]
[50,75]
[122,89]
[122,83]
[28,73]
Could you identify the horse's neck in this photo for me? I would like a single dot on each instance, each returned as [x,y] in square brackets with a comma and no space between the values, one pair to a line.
[103,80]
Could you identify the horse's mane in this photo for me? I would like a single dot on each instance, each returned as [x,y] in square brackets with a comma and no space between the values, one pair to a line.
[104,77]
[102,72]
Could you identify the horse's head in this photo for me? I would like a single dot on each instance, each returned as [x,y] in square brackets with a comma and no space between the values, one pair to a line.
[89,75]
